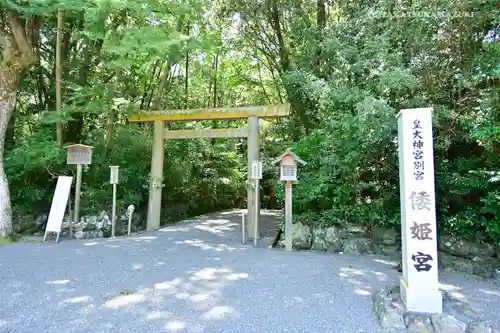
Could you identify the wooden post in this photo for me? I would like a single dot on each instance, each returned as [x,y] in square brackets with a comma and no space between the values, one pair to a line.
[156,182]
[253,204]
[288,216]
[77,192]
[70,218]
[243,236]
[113,214]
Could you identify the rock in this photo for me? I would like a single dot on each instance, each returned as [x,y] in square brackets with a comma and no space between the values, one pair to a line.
[449,262]
[357,245]
[352,230]
[327,239]
[466,249]
[498,252]
[445,323]
[478,326]
[89,223]
[40,220]
[301,236]
[385,237]
[393,251]
[458,308]
[104,221]
[388,314]
[391,314]
[418,327]
[79,234]
[416,322]
[319,243]
[484,267]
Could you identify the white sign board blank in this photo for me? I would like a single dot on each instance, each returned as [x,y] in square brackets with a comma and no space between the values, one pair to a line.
[256,170]
[59,204]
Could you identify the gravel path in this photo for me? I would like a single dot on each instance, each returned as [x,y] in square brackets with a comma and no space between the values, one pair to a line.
[195,277]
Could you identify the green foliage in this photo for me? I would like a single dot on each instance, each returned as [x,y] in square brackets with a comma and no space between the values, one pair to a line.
[198,177]
[346,74]
[6,240]
[352,175]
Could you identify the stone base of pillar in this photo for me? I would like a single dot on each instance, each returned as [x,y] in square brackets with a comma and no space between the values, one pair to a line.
[421,300]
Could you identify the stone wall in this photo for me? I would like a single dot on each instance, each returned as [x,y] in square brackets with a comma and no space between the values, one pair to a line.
[454,254]
[95,226]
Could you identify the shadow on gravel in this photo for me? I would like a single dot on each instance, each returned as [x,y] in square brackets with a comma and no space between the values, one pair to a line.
[197,278]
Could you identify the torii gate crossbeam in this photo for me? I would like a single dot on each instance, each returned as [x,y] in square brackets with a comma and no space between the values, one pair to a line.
[252,131]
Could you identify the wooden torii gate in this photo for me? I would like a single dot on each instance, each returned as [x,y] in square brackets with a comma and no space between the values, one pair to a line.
[161,133]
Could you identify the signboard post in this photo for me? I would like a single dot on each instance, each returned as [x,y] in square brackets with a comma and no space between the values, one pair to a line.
[419,284]
[58,206]
[80,155]
[256,176]
[113,179]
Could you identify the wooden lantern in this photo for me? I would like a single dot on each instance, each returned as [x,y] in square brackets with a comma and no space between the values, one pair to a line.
[289,165]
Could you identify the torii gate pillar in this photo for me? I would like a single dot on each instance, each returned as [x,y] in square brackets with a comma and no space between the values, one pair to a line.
[253,153]
[156,181]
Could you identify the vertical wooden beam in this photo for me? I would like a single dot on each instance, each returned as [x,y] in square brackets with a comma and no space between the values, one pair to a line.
[288,216]
[253,155]
[156,181]
[113,213]
[78,186]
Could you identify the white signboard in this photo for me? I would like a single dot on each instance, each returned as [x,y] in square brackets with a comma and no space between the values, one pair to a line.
[256,170]
[113,176]
[59,204]
[419,285]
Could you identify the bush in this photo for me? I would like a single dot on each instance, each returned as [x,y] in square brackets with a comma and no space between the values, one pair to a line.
[198,177]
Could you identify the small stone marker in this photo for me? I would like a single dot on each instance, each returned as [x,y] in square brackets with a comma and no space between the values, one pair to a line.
[419,285]
[130,211]
[288,173]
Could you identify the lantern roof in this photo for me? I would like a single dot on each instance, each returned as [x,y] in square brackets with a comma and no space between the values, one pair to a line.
[289,152]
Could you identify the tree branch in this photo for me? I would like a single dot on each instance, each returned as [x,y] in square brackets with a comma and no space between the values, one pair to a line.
[22,44]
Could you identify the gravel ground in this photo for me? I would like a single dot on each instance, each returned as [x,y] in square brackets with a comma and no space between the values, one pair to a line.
[196,277]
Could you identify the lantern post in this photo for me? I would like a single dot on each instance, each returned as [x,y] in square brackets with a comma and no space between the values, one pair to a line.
[80,155]
[288,174]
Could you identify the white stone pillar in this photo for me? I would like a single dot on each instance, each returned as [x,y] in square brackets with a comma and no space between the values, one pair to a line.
[419,285]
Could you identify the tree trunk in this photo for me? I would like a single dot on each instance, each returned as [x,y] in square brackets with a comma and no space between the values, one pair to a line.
[186,79]
[8,94]
[60,22]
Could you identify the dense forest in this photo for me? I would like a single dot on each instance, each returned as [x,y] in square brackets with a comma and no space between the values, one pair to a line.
[71,71]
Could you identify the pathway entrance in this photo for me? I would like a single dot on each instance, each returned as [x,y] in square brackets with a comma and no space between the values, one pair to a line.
[161,133]
[227,226]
